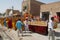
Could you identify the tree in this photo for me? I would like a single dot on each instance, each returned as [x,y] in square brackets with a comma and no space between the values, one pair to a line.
[4,14]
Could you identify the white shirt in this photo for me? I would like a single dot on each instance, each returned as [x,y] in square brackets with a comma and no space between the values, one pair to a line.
[26,23]
[50,24]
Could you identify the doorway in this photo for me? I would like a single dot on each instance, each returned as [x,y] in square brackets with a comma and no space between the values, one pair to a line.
[45,16]
[58,14]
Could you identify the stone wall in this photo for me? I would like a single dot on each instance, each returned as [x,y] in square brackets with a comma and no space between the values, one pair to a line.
[51,7]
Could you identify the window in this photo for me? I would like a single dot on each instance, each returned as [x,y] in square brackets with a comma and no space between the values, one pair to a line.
[45,16]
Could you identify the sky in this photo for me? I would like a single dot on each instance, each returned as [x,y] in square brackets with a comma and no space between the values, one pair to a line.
[7,4]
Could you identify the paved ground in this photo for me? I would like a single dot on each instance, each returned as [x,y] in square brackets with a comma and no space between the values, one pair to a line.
[1,38]
[33,36]
[12,35]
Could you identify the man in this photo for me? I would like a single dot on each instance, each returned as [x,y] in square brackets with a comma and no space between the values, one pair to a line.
[26,25]
[19,25]
[50,28]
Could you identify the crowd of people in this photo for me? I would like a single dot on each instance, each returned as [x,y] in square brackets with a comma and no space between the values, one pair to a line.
[17,25]
[20,25]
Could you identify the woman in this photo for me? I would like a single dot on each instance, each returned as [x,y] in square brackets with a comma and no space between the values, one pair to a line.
[19,25]
[10,23]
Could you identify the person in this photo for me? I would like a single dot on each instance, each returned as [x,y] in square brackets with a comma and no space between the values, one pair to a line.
[5,24]
[26,25]
[19,25]
[10,23]
[14,24]
[50,28]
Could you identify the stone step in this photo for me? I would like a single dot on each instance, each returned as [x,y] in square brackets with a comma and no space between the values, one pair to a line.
[4,36]
[12,34]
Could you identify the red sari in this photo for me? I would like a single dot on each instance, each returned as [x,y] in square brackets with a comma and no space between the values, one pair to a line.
[10,24]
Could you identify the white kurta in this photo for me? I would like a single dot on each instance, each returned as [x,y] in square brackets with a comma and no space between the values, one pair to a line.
[50,24]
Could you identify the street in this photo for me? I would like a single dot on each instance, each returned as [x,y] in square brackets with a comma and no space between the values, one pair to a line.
[12,35]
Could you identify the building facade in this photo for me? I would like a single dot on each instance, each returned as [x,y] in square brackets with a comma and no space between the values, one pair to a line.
[32,7]
[51,9]
[10,12]
[41,9]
